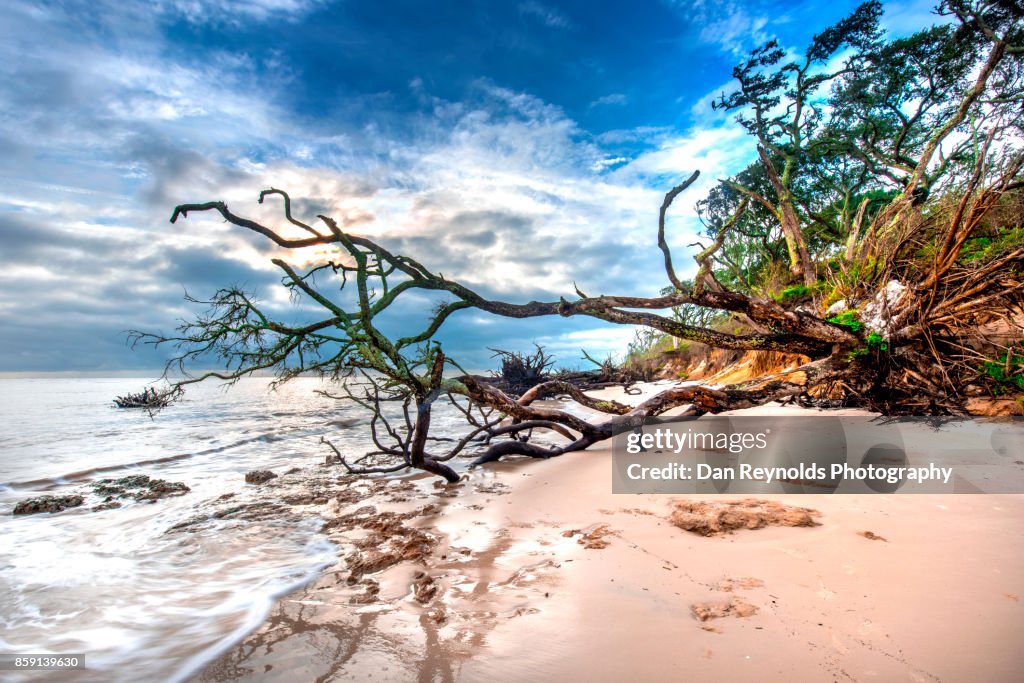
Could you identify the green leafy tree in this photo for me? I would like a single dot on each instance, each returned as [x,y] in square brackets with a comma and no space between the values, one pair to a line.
[781,104]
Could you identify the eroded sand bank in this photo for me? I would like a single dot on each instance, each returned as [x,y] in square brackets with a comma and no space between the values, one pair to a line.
[534,570]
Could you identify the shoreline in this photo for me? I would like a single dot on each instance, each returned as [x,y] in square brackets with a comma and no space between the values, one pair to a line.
[539,571]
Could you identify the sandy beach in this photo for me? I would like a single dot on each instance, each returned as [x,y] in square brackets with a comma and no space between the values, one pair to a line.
[534,570]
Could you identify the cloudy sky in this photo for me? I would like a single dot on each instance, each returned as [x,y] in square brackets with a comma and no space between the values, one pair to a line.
[516,146]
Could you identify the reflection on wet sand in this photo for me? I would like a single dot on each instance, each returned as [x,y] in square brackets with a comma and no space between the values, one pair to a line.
[415,592]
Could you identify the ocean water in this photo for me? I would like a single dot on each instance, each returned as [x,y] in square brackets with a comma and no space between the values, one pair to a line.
[141,601]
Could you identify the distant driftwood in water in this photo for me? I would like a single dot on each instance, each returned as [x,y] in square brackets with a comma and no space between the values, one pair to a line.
[520,372]
[148,398]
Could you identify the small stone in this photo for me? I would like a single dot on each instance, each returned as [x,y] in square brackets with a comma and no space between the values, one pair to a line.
[259,476]
[161,488]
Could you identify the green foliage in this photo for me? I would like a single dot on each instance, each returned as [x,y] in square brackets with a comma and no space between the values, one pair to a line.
[798,292]
[858,273]
[795,292]
[876,342]
[848,319]
[844,125]
[754,247]
[1006,372]
[765,78]
[975,250]
[646,344]
[839,191]
[852,279]
[985,248]
[902,91]
[834,295]
[691,314]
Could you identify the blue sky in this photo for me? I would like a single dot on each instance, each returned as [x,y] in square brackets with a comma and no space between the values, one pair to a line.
[517,146]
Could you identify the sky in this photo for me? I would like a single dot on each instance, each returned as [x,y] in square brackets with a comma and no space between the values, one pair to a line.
[518,147]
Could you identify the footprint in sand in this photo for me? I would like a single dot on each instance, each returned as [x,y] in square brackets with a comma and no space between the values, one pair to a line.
[792,552]
[838,645]
[867,628]
[824,593]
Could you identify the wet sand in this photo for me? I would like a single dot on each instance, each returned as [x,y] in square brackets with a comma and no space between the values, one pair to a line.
[534,570]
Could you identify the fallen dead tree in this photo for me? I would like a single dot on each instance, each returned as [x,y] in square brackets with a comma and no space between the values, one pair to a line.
[149,399]
[900,342]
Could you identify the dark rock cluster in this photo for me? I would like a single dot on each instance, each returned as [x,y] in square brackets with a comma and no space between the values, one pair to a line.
[47,504]
[139,487]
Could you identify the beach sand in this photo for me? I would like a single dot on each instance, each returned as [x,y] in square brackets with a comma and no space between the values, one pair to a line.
[539,572]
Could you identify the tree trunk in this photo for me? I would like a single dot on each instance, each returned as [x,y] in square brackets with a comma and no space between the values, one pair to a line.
[799,258]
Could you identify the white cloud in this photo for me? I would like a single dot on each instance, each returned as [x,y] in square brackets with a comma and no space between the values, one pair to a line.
[737,32]
[602,164]
[617,99]
[733,26]
[549,16]
[236,11]
[908,16]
